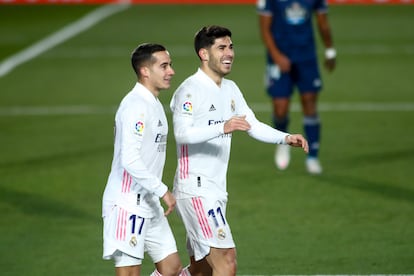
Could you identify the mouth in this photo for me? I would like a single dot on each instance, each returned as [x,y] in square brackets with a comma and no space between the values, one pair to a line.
[227,62]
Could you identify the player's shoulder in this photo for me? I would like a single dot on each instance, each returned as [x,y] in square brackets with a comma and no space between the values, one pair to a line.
[190,85]
[134,102]
[230,85]
[229,82]
[133,98]
[195,79]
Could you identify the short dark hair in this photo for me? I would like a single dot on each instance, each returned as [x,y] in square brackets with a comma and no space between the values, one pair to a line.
[206,36]
[142,55]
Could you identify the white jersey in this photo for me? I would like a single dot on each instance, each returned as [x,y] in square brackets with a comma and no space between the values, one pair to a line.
[135,180]
[200,109]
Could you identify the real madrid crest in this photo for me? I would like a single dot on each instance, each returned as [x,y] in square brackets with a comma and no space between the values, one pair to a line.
[133,242]
[221,234]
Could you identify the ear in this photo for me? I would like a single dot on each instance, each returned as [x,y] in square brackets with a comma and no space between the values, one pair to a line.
[203,54]
[144,71]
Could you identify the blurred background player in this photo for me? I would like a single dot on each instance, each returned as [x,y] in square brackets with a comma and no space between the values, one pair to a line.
[207,109]
[287,32]
[134,220]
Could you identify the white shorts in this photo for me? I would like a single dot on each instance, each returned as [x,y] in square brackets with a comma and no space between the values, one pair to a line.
[133,235]
[206,225]
[121,259]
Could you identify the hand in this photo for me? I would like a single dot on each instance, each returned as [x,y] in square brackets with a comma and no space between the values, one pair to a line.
[284,63]
[297,140]
[170,201]
[236,123]
[330,64]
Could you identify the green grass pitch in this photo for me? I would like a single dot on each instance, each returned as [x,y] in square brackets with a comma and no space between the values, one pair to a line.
[356,218]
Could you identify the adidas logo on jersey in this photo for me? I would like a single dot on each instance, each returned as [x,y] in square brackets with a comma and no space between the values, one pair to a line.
[212,108]
[159,123]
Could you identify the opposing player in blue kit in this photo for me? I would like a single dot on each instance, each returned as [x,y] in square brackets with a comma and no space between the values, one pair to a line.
[287,32]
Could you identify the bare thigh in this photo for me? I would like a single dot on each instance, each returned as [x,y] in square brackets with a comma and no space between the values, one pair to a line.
[309,103]
[280,107]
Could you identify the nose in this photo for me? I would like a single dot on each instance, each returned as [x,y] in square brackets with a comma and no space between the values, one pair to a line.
[171,71]
[229,52]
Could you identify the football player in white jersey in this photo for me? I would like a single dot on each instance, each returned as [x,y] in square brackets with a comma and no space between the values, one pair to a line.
[207,108]
[134,220]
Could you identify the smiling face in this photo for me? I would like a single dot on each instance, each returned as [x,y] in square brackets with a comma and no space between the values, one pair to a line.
[157,75]
[218,59]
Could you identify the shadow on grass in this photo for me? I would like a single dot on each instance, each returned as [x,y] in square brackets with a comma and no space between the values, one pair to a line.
[58,158]
[384,189]
[381,189]
[381,157]
[32,204]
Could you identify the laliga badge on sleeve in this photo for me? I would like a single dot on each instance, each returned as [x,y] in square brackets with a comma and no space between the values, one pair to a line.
[139,128]
[187,108]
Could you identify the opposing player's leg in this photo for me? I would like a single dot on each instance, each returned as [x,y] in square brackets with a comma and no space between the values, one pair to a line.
[280,88]
[309,86]
[281,122]
[312,127]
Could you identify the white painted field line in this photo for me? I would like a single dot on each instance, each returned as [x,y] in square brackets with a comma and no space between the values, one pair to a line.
[257,107]
[69,31]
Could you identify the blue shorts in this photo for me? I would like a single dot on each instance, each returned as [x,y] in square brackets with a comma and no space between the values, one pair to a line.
[303,75]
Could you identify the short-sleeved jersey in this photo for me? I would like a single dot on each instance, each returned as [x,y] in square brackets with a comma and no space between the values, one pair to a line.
[200,108]
[292,27]
[141,131]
